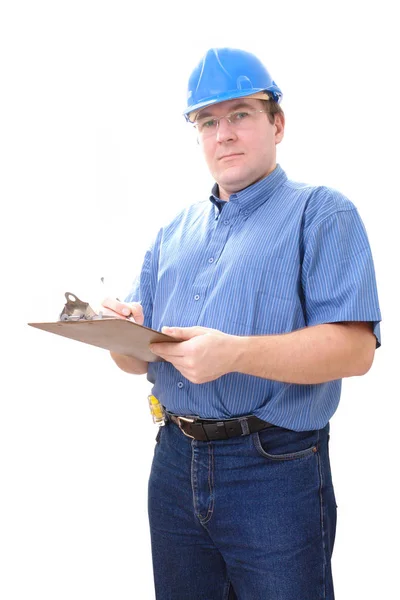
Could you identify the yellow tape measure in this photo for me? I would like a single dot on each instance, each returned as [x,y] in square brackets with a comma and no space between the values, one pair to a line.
[156,410]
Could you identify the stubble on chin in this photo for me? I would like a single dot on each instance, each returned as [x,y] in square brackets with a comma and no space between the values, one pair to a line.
[234,182]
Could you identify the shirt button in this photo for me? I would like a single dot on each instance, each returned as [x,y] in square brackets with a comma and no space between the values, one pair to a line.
[197,297]
[180,384]
[211,260]
[226,222]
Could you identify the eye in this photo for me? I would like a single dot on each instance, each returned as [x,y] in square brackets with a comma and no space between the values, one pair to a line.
[207,124]
[239,116]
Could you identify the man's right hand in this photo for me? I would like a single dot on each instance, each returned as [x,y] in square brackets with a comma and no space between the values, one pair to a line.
[122,310]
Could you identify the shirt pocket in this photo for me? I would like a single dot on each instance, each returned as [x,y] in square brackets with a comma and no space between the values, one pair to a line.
[268,314]
[273,314]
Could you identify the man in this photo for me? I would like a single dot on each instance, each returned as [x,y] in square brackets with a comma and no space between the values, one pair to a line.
[269,289]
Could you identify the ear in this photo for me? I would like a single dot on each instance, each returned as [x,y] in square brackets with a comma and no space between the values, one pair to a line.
[279,127]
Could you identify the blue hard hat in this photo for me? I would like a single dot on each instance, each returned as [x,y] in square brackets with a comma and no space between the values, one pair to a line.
[225,74]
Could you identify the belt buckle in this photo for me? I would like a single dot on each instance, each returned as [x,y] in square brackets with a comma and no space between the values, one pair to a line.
[188,420]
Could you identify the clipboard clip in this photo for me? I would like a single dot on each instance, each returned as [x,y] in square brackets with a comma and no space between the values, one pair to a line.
[77,310]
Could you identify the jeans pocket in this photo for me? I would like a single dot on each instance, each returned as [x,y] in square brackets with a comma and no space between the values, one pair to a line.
[283,445]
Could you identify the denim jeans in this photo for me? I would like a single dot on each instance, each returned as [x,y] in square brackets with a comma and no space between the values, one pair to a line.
[249,518]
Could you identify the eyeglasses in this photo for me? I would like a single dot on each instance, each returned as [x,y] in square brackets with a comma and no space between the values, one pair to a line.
[240,119]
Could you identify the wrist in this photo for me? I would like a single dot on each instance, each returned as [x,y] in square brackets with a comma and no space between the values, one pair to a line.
[238,349]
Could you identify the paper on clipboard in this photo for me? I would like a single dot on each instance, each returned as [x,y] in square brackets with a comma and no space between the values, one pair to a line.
[117,335]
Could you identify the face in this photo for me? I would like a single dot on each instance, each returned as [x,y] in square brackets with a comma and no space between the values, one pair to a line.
[239,156]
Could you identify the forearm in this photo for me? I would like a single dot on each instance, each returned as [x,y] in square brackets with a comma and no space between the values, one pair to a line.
[307,356]
[129,364]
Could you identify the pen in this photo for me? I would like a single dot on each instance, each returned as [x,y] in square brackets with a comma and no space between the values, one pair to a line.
[129,318]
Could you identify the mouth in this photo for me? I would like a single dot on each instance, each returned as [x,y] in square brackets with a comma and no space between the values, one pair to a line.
[230,156]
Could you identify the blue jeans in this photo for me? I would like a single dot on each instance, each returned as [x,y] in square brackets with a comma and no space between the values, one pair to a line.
[249,518]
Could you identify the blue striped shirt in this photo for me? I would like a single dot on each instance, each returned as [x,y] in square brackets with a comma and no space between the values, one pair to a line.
[279,256]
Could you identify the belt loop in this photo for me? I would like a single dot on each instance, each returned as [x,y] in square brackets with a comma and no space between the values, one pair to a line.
[244,425]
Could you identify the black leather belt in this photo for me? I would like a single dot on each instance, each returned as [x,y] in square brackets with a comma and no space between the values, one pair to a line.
[206,430]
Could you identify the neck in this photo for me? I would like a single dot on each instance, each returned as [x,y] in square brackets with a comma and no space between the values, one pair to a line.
[225,193]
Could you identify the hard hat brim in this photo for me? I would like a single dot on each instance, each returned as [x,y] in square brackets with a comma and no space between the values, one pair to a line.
[191,112]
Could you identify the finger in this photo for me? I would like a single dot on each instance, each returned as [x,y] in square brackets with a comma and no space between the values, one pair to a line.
[111,303]
[136,310]
[120,309]
[165,349]
[184,333]
[179,363]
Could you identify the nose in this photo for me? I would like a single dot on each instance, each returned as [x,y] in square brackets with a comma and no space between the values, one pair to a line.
[225,131]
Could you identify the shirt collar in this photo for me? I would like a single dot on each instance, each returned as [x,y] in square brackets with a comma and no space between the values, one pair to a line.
[253,196]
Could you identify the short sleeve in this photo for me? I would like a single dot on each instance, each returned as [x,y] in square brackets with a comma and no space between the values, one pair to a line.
[338,275]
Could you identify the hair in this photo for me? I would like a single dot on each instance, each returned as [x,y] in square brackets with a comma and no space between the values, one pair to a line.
[272,108]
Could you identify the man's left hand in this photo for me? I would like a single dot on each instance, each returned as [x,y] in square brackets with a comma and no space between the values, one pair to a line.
[203,355]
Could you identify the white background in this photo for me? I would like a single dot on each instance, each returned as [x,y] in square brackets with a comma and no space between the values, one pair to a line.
[95,156]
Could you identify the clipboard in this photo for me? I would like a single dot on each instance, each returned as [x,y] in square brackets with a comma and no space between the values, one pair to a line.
[117,335]
[78,321]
